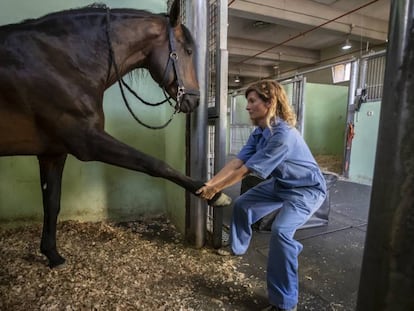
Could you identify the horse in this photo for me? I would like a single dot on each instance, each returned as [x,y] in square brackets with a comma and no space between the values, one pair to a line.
[54,71]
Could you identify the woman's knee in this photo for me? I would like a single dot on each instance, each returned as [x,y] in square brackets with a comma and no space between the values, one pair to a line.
[282,232]
[283,240]
[239,204]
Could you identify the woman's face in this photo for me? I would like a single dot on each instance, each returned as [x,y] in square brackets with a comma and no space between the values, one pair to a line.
[257,109]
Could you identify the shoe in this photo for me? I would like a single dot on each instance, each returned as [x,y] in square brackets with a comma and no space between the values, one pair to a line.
[225,251]
[274,308]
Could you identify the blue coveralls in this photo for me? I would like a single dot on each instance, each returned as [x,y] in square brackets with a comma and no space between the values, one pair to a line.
[297,188]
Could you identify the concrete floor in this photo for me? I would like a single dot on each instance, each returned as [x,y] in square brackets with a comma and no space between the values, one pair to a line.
[329,265]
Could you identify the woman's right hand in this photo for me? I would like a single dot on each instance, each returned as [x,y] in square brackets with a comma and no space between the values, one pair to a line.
[207,192]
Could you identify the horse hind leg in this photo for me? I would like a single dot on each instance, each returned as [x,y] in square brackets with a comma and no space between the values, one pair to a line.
[51,169]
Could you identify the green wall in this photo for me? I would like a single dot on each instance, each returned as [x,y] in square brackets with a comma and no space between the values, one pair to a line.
[175,156]
[325,118]
[95,191]
[364,143]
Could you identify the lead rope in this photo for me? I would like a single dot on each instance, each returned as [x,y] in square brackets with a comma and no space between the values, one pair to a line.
[167,98]
[121,83]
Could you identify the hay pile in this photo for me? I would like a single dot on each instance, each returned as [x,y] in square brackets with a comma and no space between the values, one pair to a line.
[141,265]
[330,163]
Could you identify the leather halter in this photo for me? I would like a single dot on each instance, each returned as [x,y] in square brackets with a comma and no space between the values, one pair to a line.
[173,62]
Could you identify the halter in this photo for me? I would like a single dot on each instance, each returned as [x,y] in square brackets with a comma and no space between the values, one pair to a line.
[171,63]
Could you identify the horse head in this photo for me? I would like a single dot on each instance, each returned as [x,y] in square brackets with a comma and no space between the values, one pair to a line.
[172,63]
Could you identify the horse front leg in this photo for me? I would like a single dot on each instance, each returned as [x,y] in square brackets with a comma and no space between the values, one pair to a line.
[51,169]
[100,146]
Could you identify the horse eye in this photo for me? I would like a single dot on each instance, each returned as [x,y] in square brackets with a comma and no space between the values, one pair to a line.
[189,51]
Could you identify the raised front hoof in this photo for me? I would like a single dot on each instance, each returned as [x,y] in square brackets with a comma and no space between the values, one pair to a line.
[220,200]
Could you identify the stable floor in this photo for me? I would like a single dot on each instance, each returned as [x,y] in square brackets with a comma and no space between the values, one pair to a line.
[330,263]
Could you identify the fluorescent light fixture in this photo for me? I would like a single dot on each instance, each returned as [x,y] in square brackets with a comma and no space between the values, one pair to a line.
[347,45]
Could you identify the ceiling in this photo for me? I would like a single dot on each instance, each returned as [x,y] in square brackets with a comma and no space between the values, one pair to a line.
[277,38]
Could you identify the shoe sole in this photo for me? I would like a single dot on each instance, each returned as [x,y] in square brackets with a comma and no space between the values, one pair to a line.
[225,252]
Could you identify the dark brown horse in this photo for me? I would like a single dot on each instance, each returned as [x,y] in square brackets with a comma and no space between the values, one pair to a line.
[53,74]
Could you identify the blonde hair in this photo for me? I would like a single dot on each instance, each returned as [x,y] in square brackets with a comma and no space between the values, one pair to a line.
[272,92]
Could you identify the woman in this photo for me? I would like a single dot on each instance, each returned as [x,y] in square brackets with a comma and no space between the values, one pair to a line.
[296,188]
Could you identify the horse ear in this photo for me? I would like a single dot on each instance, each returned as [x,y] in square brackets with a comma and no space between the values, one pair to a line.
[175,13]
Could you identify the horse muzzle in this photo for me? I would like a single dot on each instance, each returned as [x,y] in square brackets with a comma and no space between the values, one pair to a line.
[188,102]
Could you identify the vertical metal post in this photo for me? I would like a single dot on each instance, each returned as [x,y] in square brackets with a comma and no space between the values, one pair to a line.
[221,111]
[387,277]
[298,86]
[350,115]
[298,89]
[221,88]
[197,126]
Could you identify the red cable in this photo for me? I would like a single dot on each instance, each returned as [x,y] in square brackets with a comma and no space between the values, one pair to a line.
[305,32]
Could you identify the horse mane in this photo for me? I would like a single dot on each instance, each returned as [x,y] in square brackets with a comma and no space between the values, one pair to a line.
[93,8]
[98,5]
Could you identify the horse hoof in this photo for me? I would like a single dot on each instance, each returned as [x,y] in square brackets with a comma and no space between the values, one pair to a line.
[57,264]
[221,200]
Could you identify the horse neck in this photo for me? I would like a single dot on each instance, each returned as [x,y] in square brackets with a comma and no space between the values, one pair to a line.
[133,39]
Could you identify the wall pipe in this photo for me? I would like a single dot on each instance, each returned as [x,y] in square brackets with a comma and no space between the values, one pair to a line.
[387,276]
[300,73]
[288,73]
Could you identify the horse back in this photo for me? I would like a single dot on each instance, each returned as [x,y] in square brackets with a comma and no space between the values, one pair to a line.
[48,71]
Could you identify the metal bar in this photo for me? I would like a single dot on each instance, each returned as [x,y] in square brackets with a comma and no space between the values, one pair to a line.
[387,276]
[299,89]
[350,116]
[374,54]
[294,77]
[301,103]
[221,109]
[221,87]
[197,126]
[325,66]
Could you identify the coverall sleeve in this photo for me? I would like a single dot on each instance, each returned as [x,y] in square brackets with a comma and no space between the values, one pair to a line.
[265,160]
[248,149]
